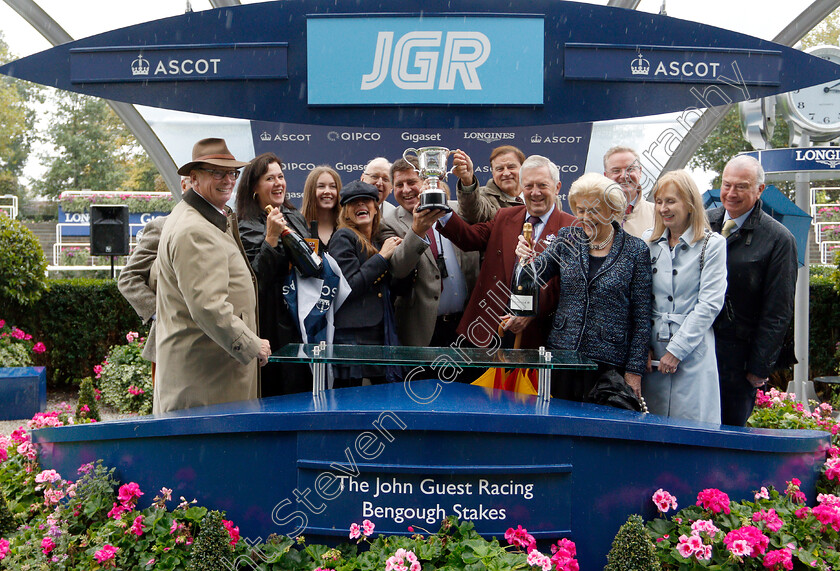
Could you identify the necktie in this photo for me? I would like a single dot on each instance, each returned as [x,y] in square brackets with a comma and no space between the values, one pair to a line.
[430,234]
[534,220]
[728,226]
[629,210]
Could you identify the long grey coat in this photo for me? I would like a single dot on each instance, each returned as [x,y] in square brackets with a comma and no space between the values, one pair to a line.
[134,279]
[686,302]
[207,344]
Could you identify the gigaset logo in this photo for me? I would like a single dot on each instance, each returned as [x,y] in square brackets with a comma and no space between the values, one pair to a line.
[415,60]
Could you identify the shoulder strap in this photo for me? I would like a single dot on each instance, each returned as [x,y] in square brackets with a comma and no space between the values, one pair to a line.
[703,251]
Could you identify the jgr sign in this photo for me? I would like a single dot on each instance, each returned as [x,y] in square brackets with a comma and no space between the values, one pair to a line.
[438,60]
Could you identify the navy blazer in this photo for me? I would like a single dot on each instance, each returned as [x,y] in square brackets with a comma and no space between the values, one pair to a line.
[607,319]
[367,277]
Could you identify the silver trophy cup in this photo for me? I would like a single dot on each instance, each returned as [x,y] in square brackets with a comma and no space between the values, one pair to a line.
[432,161]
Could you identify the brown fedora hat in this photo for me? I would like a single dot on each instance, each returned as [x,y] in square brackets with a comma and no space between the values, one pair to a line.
[212,152]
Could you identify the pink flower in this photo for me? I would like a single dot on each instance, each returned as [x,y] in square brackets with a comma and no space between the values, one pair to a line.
[85,468]
[397,562]
[537,559]
[107,553]
[832,468]
[828,515]
[47,545]
[233,532]
[39,348]
[131,336]
[519,537]
[802,512]
[117,511]
[18,334]
[771,520]
[355,531]
[128,494]
[714,500]
[793,491]
[136,527]
[27,450]
[664,501]
[706,554]
[4,548]
[48,476]
[684,549]
[563,557]
[97,394]
[19,435]
[98,370]
[2,323]
[85,408]
[763,494]
[704,525]
[778,559]
[135,390]
[755,541]
[367,527]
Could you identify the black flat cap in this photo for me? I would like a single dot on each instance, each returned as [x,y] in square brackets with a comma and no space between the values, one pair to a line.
[356,190]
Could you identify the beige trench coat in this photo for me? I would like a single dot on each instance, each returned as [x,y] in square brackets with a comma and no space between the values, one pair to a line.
[207,344]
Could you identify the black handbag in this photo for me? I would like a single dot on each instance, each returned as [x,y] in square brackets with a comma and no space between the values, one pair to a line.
[612,390]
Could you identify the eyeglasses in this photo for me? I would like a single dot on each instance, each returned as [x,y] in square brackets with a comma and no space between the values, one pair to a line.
[383,177]
[219,175]
[632,169]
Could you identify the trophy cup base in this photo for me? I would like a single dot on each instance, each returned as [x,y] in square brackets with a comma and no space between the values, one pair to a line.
[433,200]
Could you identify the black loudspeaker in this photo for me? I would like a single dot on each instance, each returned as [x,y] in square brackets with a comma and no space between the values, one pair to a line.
[109,230]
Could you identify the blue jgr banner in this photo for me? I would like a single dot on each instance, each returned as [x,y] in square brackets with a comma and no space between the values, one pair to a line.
[606,62]
[178,63]
[388,60]
[798,160]
[348,149]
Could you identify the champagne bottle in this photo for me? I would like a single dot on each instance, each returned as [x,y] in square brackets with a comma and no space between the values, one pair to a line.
[308,263]
[525,287]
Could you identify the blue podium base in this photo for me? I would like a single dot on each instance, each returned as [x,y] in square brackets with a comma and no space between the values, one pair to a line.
[23,392]
[408,455]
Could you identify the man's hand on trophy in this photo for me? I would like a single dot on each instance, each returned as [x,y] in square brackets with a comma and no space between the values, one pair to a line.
[425,219]
[462,167]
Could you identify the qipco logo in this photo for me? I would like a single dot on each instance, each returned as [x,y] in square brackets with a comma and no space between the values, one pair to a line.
[352,136]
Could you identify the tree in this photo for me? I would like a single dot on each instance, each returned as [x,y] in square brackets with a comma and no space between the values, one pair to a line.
[727,139]
[17,125]
[94,150]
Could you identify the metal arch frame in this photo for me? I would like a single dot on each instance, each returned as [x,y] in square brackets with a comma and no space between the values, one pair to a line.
[55,34]
[703,127]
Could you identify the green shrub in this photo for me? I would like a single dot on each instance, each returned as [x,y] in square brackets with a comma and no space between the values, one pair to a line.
[7,520]
[87,398]
[17,349]
[23,267]
[632,549]
[126,377]
[212,547]
[78,320]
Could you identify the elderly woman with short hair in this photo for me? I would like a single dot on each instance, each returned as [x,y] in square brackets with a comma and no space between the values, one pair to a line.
[604,277]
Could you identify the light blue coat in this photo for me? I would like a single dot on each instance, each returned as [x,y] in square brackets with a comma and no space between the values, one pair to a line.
[686,302]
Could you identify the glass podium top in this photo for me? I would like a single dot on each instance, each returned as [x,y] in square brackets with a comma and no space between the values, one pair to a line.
[413,356]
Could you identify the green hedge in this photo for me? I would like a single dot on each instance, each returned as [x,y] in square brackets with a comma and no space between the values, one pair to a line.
[78,320]
[824,326]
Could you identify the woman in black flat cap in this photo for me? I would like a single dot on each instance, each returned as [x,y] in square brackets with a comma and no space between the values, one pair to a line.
[366,317]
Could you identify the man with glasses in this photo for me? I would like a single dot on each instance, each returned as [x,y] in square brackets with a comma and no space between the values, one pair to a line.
[622,165]
[207,343]
[377,173]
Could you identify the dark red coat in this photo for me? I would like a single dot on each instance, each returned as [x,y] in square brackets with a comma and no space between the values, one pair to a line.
[497,238]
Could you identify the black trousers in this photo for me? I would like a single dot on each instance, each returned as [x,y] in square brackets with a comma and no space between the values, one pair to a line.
[737,395]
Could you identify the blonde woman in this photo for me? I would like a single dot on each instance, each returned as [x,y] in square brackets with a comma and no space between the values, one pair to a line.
[689,284]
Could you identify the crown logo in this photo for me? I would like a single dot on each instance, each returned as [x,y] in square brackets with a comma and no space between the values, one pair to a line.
[265,136]
[140,66]
[640,66]
[536,138]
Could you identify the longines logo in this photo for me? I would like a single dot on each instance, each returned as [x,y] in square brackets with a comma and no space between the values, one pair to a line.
[460,55]
[353,136]
[828,157]
[488,136]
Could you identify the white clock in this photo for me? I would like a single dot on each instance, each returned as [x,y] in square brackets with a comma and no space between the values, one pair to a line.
[815,111]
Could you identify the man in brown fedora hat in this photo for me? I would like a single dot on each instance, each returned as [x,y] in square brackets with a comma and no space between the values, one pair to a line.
[207,343]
